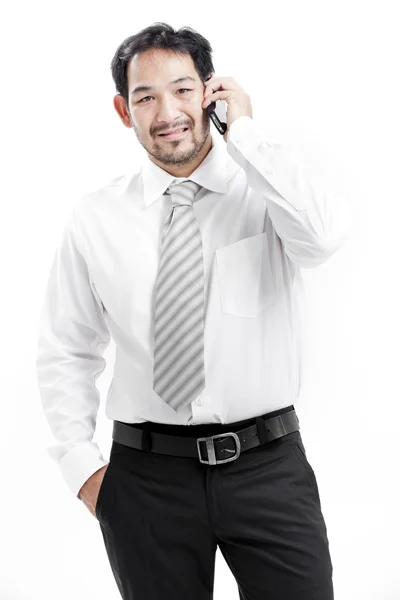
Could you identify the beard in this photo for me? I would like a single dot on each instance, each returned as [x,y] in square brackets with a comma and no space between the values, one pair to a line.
[171,154]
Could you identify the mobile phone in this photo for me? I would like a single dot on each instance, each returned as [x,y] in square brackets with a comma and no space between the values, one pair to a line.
[219,119]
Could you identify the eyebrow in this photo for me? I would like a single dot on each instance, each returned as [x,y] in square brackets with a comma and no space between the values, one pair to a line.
[147,88]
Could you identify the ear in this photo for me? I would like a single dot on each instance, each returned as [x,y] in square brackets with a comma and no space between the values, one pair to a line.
[121,108]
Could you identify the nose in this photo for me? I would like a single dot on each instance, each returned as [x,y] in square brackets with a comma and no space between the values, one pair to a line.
[168,111]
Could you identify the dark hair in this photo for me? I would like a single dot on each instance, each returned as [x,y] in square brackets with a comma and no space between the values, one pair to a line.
[160,35]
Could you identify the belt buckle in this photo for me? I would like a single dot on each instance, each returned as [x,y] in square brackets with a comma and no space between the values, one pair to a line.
[211,450]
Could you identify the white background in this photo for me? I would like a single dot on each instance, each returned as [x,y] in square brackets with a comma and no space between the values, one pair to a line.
[323,77]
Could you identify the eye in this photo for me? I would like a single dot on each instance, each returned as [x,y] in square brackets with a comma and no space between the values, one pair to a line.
[180,90]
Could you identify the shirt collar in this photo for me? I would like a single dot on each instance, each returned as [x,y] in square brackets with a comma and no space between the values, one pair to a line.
[210,174]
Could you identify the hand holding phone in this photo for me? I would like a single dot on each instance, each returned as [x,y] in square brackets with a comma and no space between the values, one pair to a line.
[227,92]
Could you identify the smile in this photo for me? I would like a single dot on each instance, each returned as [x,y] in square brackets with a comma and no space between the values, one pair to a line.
[174,135]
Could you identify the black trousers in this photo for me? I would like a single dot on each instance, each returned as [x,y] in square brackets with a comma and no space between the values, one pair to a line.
[162,518]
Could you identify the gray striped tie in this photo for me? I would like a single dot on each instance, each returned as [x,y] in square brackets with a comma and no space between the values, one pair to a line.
[179,306]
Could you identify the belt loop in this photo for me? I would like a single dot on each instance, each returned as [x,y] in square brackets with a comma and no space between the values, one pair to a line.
[261,430]
[146,436]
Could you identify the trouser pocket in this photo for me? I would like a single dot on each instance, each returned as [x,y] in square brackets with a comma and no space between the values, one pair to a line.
[300,453]
[106,486]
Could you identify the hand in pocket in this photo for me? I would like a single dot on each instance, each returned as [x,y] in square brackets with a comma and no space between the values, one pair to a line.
[90,490]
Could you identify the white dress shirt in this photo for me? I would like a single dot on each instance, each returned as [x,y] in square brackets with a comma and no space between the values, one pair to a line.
[262,219]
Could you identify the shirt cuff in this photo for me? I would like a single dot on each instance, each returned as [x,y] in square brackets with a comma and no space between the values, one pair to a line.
[245,140]
[80,463]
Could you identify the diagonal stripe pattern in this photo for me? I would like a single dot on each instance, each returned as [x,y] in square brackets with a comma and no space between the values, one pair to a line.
[179,304]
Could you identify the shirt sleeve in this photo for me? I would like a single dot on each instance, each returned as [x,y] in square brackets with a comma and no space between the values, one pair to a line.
[72,338]
[311,221]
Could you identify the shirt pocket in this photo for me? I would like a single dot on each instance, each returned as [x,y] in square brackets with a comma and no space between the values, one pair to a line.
[246,281]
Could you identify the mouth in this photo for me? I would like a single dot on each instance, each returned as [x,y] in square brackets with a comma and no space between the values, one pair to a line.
[175,134]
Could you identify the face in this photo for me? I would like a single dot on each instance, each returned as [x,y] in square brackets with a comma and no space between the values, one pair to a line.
[166,106]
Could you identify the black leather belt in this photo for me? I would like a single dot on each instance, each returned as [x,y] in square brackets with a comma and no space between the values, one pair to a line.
[215,449]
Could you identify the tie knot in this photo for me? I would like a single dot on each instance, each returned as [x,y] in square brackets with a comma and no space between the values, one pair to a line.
[183,192]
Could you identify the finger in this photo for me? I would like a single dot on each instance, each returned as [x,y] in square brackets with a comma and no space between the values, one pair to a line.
[215,84]
[220,95]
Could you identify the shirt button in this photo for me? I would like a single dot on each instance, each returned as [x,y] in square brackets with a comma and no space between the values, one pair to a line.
[199,402]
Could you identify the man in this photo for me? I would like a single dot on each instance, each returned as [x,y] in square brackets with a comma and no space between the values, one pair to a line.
[191,262]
